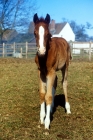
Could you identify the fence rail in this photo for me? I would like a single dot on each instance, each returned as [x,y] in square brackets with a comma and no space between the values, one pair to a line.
[79,50]
[18,50]
[82,50]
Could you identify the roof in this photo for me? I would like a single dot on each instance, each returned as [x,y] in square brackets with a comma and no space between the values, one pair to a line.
[58,28]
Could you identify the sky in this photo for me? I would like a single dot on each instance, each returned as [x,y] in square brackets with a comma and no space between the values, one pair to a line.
[81,11]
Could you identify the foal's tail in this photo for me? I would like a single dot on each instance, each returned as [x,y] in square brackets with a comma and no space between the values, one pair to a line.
[69,54]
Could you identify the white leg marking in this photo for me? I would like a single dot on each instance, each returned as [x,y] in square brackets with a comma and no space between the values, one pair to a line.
[42,113]
[47,119]
[67,106]
[53,94]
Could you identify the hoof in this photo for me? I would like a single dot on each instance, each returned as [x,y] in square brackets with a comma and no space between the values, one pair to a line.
[46,132]
[40,125]
[67,107]
[69,112]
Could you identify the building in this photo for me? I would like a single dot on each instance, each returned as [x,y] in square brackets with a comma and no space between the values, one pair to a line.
[62,30]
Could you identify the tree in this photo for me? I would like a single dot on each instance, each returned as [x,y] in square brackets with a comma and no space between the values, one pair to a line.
[79,30]
[88,25]
[15,14]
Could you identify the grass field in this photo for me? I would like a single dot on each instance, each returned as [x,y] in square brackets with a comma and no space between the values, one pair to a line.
[19,103]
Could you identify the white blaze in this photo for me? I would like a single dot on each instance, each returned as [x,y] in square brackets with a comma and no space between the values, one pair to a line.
[41,40]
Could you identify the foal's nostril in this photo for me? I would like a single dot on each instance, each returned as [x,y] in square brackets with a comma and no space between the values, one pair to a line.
[41,51]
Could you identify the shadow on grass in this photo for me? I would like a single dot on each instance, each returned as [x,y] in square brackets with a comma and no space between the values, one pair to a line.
[59,100]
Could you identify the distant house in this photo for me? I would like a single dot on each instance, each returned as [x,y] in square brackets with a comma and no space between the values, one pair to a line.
[62,30]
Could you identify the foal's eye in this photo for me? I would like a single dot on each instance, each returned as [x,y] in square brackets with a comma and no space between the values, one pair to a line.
[46,34]
[35,33]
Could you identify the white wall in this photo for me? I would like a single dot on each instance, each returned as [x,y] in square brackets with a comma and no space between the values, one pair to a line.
[66,33]
[56,35]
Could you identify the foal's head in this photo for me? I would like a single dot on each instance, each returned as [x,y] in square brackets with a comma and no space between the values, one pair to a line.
[41,33]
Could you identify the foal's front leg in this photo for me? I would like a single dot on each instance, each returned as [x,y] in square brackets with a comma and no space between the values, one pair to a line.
[42,97]
[49,97]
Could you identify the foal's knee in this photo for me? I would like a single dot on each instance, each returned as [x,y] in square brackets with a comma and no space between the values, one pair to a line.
[48,99]
[42,97]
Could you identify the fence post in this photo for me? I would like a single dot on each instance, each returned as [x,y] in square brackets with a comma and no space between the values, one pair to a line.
[90,51]
[14,47]
[21,51]
[26,48]
[3,49]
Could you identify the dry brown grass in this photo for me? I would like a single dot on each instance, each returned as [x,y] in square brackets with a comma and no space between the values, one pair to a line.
[19,103]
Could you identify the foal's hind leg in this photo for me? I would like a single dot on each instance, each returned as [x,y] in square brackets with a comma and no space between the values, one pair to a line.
[64,82]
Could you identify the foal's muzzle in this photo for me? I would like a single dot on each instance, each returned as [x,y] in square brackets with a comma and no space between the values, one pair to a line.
[41,51]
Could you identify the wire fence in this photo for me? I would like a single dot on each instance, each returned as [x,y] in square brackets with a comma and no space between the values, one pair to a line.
[79,50]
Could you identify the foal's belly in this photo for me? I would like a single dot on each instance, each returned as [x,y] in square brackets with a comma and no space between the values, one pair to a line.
[60,64]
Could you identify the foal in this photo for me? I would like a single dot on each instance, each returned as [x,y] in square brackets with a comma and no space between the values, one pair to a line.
[52,54]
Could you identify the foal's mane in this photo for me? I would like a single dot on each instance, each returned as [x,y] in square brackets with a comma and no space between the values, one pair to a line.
[41,19]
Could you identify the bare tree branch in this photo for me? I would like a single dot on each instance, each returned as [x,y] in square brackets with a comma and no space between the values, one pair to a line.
[15,14]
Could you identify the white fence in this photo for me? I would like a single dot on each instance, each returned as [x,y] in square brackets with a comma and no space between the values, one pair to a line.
[83,50]
[80,50]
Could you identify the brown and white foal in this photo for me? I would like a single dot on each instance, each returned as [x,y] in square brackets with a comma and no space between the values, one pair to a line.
[52,54]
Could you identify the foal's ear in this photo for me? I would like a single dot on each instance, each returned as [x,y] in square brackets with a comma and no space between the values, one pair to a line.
[35,18]
[47,19]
